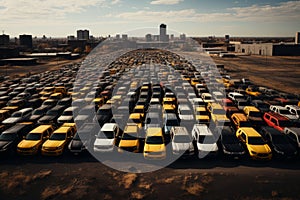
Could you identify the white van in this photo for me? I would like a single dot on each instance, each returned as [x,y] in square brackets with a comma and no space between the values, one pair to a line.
[105,139]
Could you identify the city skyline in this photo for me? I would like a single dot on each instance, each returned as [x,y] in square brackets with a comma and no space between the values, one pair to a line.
[192,17]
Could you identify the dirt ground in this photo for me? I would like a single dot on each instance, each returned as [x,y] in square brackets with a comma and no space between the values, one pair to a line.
[282,73]
[42,66]
[70,177]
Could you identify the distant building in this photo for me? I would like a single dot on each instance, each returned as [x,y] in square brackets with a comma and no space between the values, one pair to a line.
[163,37]
[297,38]
[118,36]
[124,37]
[4,39]
[26,41]
[269,49]
[172,37]
[83,34]
[182,37]
[148,38]
[227,39]
[71,37]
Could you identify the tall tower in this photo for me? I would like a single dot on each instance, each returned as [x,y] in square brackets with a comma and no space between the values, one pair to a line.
[163,33]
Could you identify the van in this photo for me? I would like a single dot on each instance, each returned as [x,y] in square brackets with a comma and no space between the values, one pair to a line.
[240,120]
[33,141]
[106,138]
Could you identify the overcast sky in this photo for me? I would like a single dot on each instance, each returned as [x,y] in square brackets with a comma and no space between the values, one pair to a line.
[60,18]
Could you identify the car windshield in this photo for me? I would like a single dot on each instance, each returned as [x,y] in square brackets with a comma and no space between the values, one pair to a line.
[206,139]
[263,105]
[154,140]
[52,112]
[172,123]
[58,136]
[103,112]
[279,139]
[285,123]
[8,137]
[129,136]
[229,139]
[256,141]
[33,136]
[245,124]
[182,139]
[285,112]
[186,112]
[38,112]
[106,135]
[255,114]
[218,111]
[68,113]
[17,114]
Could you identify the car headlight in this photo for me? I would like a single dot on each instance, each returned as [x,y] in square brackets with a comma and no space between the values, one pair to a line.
[253,152]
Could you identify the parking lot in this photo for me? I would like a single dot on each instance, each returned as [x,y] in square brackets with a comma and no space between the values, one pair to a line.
[154,105]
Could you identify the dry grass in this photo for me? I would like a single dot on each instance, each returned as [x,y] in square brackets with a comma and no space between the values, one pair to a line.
[128,180]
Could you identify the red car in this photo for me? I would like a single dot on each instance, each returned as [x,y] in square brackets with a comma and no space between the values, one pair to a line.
[277,121]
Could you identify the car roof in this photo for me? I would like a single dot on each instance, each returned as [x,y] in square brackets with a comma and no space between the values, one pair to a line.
[180,130]
[251,108]
[154,131]
[16,128]
[278,116]
[108,126]
[250,131]
[62,129]
[41,128]
[131,128]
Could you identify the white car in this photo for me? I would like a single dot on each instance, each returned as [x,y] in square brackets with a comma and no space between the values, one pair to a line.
[294,110]
[283,111]
[235,96]
[185,112]
[105,139]
[182,142]
[205,140]
[18,116]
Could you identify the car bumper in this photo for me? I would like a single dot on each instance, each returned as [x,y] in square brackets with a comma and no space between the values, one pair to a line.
[52,152]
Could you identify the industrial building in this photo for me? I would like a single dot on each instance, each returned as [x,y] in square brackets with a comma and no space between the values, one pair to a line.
[26,41]
[4,40]
[269,49]
[83,34]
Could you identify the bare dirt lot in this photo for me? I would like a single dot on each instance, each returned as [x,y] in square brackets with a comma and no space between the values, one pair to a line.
[282,73]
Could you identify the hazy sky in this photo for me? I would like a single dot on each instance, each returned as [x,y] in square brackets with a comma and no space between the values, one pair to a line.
[59,18]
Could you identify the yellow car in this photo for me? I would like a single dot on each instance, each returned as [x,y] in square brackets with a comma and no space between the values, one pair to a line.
[136,118]
[201,115]
[194,81]
[130,139]
[33,141]
[218,115]
[154,147]
[257,147]
[139,109]
[47,90]
[99,101]
[58,140]
[11,109]
[4,114]
[251,92]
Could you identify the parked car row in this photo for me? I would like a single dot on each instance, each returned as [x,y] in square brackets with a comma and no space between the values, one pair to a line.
[144,101]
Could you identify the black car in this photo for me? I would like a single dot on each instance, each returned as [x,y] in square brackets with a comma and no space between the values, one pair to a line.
[104,114]
[280,144]
[51,116]
[37,114]
[34,103]
[10,138]
[84,138]
[261,105]
[65,102]
[230,144]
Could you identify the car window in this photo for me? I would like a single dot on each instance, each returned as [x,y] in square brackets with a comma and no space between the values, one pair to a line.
[243,136]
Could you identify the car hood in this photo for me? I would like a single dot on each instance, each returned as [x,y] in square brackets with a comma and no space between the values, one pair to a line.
[292,117]
[259,148]
[11,120]
[53,143]
[287,149]
[81,117]
[154,147]
[3,144]
[28,143]
[233,147]
[181,146]
[128,143]
[76,144]
[207,147]
[47,118]
[104,142]
[34,117]
[186,117]
[63,118]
